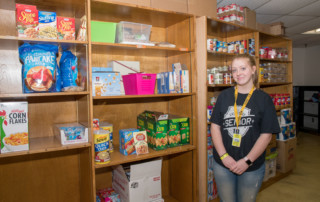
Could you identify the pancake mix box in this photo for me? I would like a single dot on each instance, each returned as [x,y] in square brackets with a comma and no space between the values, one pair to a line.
[14,126]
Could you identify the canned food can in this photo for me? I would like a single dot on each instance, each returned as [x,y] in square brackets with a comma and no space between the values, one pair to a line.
[101,146]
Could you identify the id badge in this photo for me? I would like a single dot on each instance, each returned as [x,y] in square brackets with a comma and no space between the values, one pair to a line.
[236,140]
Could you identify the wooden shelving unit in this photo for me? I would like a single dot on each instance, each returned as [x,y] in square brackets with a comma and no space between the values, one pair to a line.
[207,28]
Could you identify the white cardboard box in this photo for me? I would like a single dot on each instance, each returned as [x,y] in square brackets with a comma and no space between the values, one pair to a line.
[144,184]
[125,68]
[62,136]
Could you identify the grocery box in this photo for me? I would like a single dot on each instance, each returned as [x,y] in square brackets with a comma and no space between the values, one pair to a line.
[71,133]
[103,31]
[142,122]
[27,27]
[105,83]
[14,126]
[174,136]
[157,129]
[184,81]
[185,131]
[132,33]
[66,28]
[108,127]
[277,28]
[249,18]
[284,133]
[47,25]
[286,159]
[165,83]
[139,84]
[144,183]
[126,141]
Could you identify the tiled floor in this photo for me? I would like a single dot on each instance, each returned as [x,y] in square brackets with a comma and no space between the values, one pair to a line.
[303,185]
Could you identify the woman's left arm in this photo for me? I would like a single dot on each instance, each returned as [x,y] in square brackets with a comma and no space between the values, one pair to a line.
[258,148]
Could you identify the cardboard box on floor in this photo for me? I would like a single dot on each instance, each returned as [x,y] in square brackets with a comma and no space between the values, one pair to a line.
[144,183]
[286,159]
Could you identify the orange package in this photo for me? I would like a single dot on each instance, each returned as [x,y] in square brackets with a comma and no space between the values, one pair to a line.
[66,28]
[27,21]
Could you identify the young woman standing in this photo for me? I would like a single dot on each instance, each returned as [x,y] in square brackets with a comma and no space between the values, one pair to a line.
[242,124]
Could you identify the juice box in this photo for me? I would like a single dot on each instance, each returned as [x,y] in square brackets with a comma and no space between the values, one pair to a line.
[66,28]
[14,126]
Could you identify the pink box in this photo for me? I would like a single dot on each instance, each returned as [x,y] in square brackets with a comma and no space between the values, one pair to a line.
[139,84]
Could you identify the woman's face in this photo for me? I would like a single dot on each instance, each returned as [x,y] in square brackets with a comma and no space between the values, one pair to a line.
[242,72]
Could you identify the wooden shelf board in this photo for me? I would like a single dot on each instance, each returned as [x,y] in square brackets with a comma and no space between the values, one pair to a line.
[118,158]
[22,95]
[45,144]
[42,40]
[142,96]
[275,179]
[275,84]
[274,60]
[215,200]
[221,54]
[169,199]
[219,85]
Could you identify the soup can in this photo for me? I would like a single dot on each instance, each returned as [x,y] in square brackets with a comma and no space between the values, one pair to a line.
[101,147]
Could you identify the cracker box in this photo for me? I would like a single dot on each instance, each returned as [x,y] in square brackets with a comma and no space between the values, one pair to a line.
[105,83]
[14,126]
[127,141]
[144,183]
[66,28]
[141,122]
[185,131]
[174,136]
[140,142]
[157,129]
[27,21]
[47,25]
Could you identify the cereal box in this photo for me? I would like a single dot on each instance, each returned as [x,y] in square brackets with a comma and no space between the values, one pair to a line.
[140,142]
[126,141]
[47,25]
[14,126]
[105,83]
[27,21]
[66,28]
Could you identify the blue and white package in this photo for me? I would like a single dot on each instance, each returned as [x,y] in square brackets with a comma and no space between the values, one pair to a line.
[47,25]
[40,71]
[69,70]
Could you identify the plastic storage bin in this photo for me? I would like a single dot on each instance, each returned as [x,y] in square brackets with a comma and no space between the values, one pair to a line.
[139,84]
[132,33]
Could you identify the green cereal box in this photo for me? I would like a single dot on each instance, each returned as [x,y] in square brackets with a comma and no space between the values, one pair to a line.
[185,131]
[174,136]
[157,128]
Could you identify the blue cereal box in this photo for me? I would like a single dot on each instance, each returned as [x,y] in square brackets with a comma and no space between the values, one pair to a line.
[105,83]
[127,141]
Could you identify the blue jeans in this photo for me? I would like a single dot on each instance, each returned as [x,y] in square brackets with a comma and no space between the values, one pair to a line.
[237,188]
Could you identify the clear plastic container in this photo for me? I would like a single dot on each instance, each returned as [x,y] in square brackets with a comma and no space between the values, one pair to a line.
[133,33]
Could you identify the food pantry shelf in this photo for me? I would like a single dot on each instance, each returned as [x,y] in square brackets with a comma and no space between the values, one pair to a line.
[45,144]
[117,158]
[23,95]
[142,96]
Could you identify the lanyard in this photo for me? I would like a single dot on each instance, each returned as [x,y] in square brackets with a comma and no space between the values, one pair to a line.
[238,117]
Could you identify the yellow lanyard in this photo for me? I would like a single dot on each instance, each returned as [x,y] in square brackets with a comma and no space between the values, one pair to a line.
[238,118]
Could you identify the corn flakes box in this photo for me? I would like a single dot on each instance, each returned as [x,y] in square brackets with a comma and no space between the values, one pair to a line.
[66,28]
[185,131]
[14,126]
[157,129]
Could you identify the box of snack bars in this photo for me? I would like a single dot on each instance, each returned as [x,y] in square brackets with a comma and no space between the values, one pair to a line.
[27,21]
[14,126]
[127,141]
[66,28]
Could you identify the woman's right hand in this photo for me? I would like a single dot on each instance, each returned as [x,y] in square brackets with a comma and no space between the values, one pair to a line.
[228,162]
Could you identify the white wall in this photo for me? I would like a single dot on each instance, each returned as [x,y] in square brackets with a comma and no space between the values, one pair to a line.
[306,66]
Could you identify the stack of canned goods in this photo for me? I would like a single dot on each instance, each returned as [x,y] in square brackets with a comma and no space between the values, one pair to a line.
[273,53]
[219,75]
[281,100]
[236,47]
[231,13]
[272,73]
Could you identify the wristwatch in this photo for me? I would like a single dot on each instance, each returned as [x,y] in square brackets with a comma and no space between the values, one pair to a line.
[248,161]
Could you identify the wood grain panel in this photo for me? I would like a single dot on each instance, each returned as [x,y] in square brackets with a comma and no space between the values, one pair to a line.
[42,176]
[179,34]
[103,178]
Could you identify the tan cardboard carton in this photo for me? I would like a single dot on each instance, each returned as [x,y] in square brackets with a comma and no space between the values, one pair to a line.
[286,159]
[249,18]
[277,28]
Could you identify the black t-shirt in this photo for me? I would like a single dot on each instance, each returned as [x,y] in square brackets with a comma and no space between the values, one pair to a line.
[259,116]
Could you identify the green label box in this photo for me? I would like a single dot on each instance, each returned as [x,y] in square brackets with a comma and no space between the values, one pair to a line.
[157,133]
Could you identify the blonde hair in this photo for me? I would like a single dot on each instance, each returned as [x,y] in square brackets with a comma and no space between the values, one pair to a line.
[252,63]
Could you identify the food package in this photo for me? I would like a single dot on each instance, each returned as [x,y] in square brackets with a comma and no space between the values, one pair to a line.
[27,21]
[47,25]
[66,28]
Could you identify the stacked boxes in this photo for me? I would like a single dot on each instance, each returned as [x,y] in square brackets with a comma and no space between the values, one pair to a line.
[157,128]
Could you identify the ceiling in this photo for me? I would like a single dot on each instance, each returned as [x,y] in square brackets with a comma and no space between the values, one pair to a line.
[298,16]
